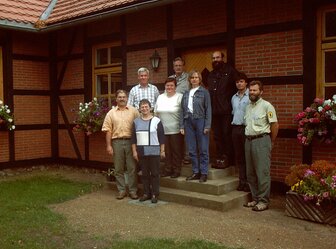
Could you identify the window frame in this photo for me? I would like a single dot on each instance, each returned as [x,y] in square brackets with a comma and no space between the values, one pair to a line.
[324,44]
[1,76]
[106,69]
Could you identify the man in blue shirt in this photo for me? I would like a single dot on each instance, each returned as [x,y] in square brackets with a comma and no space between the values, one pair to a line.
[239,101]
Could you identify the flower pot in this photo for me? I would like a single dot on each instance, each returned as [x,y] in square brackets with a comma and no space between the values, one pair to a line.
[297,207]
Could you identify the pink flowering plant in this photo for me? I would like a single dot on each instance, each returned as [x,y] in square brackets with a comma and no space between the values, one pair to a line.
[317,120]
[90,116]
[316,182]
[6,116]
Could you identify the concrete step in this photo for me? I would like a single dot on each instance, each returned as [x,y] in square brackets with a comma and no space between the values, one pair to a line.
[212,187]
[213,174]
[225,202]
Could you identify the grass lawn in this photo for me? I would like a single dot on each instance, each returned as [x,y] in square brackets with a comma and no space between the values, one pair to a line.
[27,222]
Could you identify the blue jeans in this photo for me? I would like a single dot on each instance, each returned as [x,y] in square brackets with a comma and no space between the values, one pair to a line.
[198,144]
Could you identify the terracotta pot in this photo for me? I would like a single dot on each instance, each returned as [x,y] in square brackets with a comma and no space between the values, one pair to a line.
[297,207]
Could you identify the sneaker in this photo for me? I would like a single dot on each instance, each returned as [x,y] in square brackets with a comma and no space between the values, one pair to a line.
[241,187]
[246,188]
[144,198]
[175,175]
[193,177]
[133,196]
[154,199]
[165,174]
[203,178]
[121,195]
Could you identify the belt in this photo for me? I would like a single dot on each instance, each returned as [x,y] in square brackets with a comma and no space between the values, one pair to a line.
[235,125]
[122,138]
[256,136]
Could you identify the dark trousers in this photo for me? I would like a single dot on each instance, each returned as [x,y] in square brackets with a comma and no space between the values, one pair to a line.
[150,166]
[238,139]
[221,128]
[174,153]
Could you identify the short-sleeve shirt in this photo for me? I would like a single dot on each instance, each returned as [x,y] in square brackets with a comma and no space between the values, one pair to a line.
[120,122]
[258,118]
[239,104]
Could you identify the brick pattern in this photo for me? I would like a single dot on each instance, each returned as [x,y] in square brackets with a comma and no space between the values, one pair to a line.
[30,43]
[195,18]
[138,59]
[74,74]
[4,146]
[274,54]
[286,152]
[30,75]
[31,109]
[143,26]
[70,104]
[64,39]
[322,151]
[260,12]
[32,144]
[287,101]
[97,151]
[66,149]
[103,27]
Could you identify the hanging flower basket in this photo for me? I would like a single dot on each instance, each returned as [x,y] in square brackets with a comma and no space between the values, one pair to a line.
[6,117]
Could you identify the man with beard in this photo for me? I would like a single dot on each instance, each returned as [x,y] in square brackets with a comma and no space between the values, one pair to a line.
[221,82]
[261,130]
[118,125]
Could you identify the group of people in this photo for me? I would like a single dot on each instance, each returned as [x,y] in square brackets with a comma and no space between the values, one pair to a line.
[147,126]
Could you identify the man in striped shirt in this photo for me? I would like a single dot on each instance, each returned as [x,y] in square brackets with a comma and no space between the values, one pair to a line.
[143,90]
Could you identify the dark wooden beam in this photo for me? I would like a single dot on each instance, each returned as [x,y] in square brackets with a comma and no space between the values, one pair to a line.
[26,57]
[309,63]
[280,80]
[269,28]
[170,47]
[230,27]
[8,86]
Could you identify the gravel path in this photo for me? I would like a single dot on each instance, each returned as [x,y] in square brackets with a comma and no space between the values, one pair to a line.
[100,214]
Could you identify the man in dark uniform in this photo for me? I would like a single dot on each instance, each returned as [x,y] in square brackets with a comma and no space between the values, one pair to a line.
[221,83]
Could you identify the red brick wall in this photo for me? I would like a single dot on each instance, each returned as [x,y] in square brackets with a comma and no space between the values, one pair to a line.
[260,12]
[287,100]
[74,74]
[198,17]
[70,104]
[285,153]
[147,25]
[30,43]
[4,149]
[138,59]
[104,27]
[66,148]
[30,75]
[32,144]
[31,109]
[274,54]
[322,151]
[64,38]
[97,148]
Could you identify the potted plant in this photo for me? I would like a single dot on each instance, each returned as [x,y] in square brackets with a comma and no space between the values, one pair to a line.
[91,116]
[6,117]
[318,120]
[313,192]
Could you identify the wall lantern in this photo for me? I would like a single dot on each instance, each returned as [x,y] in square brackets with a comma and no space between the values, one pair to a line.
[155,60]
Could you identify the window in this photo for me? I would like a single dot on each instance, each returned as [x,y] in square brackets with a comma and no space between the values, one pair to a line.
[326,52]
[1,76]
[107,71]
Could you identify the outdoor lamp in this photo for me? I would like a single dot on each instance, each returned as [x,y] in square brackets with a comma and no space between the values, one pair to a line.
[155,60]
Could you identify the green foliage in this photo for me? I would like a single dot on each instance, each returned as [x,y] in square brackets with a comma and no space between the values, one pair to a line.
[165,244]
[27,222]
